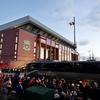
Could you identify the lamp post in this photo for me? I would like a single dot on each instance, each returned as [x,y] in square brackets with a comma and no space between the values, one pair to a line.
[74,33]
[73,23]
[75,45]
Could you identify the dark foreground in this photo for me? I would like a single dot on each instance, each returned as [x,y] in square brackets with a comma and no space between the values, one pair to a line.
[46,87]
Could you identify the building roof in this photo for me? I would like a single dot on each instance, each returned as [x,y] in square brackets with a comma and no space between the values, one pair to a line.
[26,19]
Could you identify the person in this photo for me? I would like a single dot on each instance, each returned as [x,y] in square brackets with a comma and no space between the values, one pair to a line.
[3,93]
[56,95]
[19,90]
[73,95]
[9,85]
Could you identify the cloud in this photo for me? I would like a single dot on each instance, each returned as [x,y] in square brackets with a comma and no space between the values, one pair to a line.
[93,18]
[63,10]
[83,43]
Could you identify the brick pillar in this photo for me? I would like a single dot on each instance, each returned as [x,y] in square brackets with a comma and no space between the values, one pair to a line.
[45,48]
[38,48]
[50,52]
[55,53]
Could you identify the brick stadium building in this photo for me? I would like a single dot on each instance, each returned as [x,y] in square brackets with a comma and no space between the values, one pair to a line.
[26,40]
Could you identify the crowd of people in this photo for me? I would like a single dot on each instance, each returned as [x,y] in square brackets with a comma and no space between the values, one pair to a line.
[13,87]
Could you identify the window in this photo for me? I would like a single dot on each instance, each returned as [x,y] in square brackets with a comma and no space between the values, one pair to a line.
[42,53]
[16,39]
[34,50]
[14,56]
[59,51]
[1,40]
[48,41]
[2,35]
[43,40]
[34,44]
[0,46]
[15,52]
[0,52]
[34,55]
[57,45]
[15,46]
[47,53]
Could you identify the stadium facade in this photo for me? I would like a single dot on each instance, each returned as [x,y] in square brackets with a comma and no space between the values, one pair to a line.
[26,40]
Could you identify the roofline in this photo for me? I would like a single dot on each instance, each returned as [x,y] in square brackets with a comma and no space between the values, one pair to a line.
[24,20]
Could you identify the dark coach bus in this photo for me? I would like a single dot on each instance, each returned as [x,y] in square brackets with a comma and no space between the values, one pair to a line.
[76,69]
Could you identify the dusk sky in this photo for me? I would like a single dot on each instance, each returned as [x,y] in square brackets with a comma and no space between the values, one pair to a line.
[56,14]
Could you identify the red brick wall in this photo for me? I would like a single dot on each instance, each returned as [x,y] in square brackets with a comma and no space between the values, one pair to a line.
[8,44]
[8,47]
[25,39]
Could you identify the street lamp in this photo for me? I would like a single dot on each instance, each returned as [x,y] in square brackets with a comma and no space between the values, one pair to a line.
[73,23]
